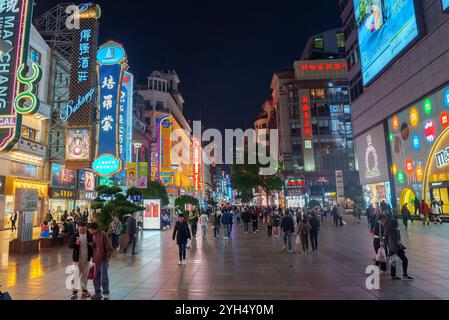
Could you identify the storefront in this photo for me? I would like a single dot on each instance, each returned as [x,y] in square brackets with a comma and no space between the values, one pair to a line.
[419,140]
[86,189]
[14,189]
[63,190]
[85,198]
[373,167]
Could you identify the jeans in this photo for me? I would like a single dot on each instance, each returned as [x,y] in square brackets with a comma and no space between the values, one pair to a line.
[314,239]
[101,278]
[255,222]
[228,229]
[216,231]
[132,240]
[114,240]
[305,242]
[288,239]
[277,231]
[204,229]
[246,226]
[270,230]
[182,251]
[194,228]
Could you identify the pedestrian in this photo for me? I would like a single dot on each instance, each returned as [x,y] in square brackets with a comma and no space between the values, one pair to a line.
[246,217]
[277,224]
[238,216]
[80,243]
[334,214]
[54,230]
[13,219]
[270,225]
[288,228]
[45,231]
[425,212]
[379,241]
[436,211]
[181,233]
[193,219]
[417,205]
[85,216]
[131,230]
[255,220]
[303,232]
[102,251]
[405,215]
[357,213]
[115,229]
[396,250]
[203,221]
[340,213]
[217,223]
[314,223]
[226,219]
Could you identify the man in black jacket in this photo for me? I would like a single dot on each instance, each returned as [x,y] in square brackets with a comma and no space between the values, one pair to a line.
[288,228]
[246,217]
[132,233]
[81,244]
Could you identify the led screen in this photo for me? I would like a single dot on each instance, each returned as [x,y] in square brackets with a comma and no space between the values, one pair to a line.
[385,28]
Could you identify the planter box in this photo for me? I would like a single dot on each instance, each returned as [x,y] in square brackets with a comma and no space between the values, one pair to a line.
[25,247]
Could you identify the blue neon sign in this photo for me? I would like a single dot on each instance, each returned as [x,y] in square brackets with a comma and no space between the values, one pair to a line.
[446,97]
[445,4]
[107,165]
[110,55]
[385,29]
[416,141]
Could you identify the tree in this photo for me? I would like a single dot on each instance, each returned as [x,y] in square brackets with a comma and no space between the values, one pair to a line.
[156,190]
[184,200]
[314,203]
[108,192]
[355,194]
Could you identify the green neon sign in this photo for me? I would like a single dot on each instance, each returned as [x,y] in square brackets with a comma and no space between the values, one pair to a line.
[27,102]
[401,177]
[427,106]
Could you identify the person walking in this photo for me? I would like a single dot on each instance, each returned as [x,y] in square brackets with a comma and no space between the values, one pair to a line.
[334,214]
[405,215]
[288,228]
[379,240]
[314,223]
[277,224]
[246,217]
[131,230]
[217,223]
[193,219]
[340,213]
[357,214]
[425,211]
[239,217]
[80,243]
[13,219]
[255,220]
[417,205]
[396,250]
[115,229]
[270,225]
[102,251]
[436,211]
[54,230]
[303,232]
[85,216]
[227,223]
[181,233]
[203,221]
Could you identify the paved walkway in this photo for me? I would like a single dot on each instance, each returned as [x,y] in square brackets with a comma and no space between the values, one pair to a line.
[247,267]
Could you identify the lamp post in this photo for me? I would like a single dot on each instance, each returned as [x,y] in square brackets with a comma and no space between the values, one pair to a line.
[137,145]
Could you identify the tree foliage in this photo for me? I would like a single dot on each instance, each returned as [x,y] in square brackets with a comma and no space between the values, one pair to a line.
[156,190]
[184,200]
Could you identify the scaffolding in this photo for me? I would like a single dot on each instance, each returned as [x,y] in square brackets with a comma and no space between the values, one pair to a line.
[52,27]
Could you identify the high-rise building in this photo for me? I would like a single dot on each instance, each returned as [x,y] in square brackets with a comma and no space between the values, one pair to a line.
[313,115]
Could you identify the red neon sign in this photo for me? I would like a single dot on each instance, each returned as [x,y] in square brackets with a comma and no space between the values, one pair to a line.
[306,116]
[324,67]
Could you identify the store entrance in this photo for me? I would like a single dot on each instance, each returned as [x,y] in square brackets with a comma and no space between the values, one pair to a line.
[408,197]
[441,194]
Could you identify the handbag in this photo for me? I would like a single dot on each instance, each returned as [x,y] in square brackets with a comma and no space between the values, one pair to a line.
[381,256]
[189,244]
[298,240]
[91,275]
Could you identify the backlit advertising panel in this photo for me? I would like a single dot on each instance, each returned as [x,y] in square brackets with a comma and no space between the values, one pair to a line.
[385,29]
[125,128]
[15,20]
[62,178]
[445,4]
[77,144]
[152,215]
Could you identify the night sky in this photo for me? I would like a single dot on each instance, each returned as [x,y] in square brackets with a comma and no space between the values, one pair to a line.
[225,52]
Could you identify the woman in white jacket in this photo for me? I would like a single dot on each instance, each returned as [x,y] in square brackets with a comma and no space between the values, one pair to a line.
[203,221]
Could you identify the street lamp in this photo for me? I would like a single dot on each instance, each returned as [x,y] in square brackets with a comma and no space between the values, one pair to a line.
[137,145]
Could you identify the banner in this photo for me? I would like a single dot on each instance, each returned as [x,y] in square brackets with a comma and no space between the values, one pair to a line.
[112,63]
[78,113]
[152,215]
[131,176]
[15,87]
[125,118]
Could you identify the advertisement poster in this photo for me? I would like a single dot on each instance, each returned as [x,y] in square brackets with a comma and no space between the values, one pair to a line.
[78,144]
[87,181]
[152,215]
[131,175]
[62,178]
[385,28]
[142,182]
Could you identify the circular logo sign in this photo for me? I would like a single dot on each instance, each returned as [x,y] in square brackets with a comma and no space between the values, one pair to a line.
[427,106]
[395,122]
[444,119]
[394,169]
[430,131]
[409,167]
[419,173]
[401,177]
[416,142]
[414,117]
[110,55]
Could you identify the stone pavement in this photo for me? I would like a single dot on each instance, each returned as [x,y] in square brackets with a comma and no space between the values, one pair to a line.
[247,267]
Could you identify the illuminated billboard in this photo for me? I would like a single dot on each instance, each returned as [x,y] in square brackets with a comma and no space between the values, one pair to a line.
[112,63]
[17,92]
[445,4]
[385,29]
[125,123]
[77,144]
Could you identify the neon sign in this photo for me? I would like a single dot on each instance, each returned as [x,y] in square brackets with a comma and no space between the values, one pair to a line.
[371,160]
[307,122]
[30,93]
[442,158]
[324,67]
[430,131]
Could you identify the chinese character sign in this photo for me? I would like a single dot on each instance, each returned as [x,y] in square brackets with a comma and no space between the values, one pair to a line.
[125,117]
[15,16]
[78,144]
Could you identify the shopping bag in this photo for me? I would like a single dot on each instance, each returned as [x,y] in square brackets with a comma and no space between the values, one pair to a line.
[91,272]
[189,244]
[298,240]
[381,255]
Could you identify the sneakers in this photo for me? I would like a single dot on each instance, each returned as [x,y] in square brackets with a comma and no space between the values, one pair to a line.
[180,263]
[284,248]
[106,297]
[303,252]
[96,296]
[407,277]
[184,262]
[85,294]
[74,296]
[134,253]
[290,251]
[395,278]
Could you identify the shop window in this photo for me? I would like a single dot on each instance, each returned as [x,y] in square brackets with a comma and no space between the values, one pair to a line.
[35,56]
[341,40]
[318,43]
[24,170]
[29,133]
